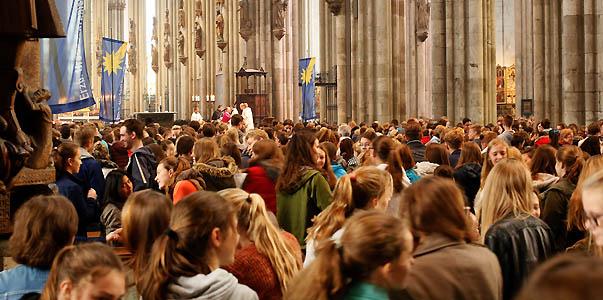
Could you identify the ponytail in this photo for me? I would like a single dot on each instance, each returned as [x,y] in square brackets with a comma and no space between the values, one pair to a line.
[64,152]
[396,169]
[572,159]
[268,239]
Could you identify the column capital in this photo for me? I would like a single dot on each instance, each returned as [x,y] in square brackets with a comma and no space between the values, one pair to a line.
[335,6]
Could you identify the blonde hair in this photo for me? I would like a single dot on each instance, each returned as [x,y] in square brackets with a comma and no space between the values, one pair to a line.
[254,220]
[488,165]
[507,191]
[205,149]
[353,191]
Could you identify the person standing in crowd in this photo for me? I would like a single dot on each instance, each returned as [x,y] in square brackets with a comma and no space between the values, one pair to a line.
[555,200]
[67,163]
[184,148]
[508,132]
[196,116]
[247,115]
[252,136]
[331,150]
[468,171]
[346,150]
[372,257]
[542,168]
[435,156]
[496,151]
[267,259]
[454,141]
[302,192]
[265,167]
[185,260]
[519,240]
[117,190]
[364,189]
[91,173]
[167,172]
[446,253]
[413,141]
[142,166]
[43,226]
[213,171]
[576,218]
[592,199]
[217,114]
[226,115]
[324,166]
[85,272]
[238,123]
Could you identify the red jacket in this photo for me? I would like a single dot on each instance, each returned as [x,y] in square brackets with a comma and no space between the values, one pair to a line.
[258,181]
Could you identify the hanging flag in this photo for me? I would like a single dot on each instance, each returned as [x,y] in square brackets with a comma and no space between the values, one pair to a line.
[63,62]
[114,61]
[306,70]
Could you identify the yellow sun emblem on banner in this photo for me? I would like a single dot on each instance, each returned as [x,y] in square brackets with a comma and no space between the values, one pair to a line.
[306,74]
[112,61]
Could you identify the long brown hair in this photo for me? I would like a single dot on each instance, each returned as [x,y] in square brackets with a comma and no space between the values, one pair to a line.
[205,150]
[543,161]
[254,220]
[436,205]
[176,165]
[353,191]
[470,153]
[300,155]
[371,239]
[182,250]
[437,154]
[327,170]
[145,216]
[267,151]
[43,226]
[386,150]
[572,159]
[64,152]
[80,262]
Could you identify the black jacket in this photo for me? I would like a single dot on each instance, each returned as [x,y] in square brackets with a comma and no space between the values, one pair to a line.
[468,178]
[520,243]
[418,150]
[142,168]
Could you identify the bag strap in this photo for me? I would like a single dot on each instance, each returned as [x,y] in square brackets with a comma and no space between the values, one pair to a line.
[144,180]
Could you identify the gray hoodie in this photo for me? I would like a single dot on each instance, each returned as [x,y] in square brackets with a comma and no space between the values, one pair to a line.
[217,285]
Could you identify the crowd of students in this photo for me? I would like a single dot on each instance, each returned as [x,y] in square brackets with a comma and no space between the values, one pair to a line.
[420,209]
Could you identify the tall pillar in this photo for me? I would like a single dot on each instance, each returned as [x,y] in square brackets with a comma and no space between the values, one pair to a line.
[572,48]
[383,64]
[438,53]
[341,61]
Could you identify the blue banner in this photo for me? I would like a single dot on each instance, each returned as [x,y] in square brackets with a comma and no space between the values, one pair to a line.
[306,70]
[114,61]
[63,62]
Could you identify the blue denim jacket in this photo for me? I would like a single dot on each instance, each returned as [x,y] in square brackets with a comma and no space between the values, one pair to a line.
[20,280]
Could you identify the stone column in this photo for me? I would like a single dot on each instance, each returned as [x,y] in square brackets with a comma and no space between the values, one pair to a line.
[572,49]
[438,53]
[341,61]
[383,66]
[539,58]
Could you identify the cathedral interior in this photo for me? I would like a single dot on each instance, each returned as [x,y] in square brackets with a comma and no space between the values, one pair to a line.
[375,60]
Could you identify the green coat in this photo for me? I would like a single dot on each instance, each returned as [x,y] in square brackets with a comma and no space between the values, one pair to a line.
[297,207]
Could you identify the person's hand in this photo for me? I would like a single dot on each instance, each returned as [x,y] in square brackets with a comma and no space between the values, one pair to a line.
[92,193]
[115,236]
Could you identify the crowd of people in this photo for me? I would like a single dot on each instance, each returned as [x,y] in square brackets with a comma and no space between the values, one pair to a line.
[419,209]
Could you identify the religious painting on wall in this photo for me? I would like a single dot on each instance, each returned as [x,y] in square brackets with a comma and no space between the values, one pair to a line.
[505,84]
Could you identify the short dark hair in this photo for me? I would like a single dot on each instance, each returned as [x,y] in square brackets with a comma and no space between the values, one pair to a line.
[65,131]
[184,145]
[208,130]
[236,120]
[508,121]
[134,126]
[413,131]
[195,125]
[43,226]
[546,123]
[594,128]
[466,120]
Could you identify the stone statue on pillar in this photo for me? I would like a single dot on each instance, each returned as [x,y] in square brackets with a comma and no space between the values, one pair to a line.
[132,56]
[199,47]
[219,26]
[279,11]
[181,45]
[220,31]
[335,6]
[167,45]
[181,15]
[246,21]
[422,16]
[154,52]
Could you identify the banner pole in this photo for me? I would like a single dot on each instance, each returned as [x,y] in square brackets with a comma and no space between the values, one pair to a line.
[112,75]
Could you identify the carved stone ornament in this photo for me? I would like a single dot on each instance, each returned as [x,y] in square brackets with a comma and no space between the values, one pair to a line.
[132,55]
[335,6]
[167,45]
[219,26]
[199,45]
[423,14]
[99,57]
[246,21]
[279,12]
